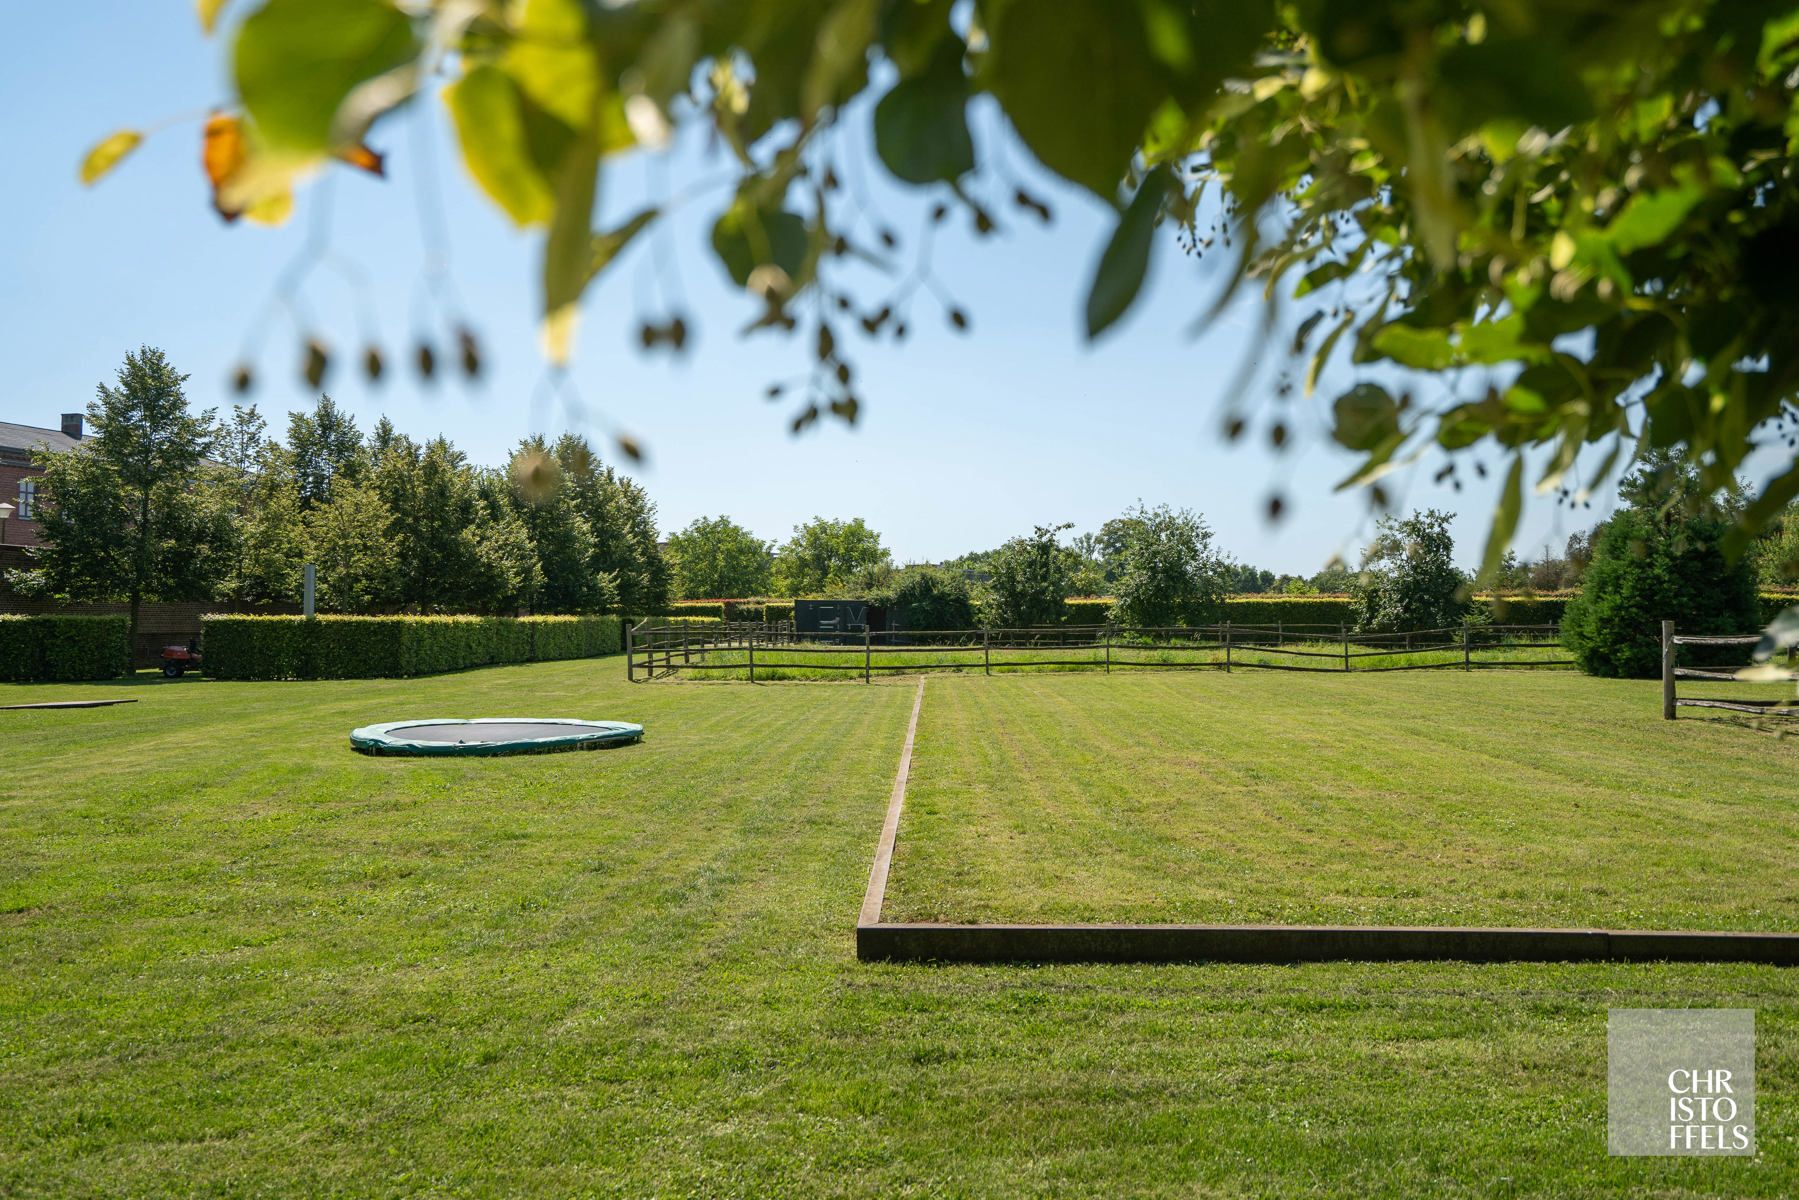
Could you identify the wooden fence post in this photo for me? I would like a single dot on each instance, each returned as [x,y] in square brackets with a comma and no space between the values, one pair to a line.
[630,652]
[986,650]
[1227,647]
[686,648]
[1667,670]
[750,641]
[1343,630]
[1108,637]
[867,652]
[1466,661]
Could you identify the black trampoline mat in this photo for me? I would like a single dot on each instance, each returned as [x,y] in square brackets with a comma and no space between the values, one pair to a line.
[493,731]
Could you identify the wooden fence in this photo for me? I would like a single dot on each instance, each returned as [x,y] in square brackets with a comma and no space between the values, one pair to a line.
[1672,672]
[658,650]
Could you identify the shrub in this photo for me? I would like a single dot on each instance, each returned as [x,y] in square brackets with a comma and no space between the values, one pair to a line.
[338,647]
[928,598]
[1271,611]
[1648,569]
[1087,610]
[62,649]
[1030,581]
[1523,610]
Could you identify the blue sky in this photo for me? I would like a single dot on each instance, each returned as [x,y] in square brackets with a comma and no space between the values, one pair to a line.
[964,441]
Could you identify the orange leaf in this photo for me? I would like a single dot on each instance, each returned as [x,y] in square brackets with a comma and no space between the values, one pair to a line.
[221,154]
[362,158]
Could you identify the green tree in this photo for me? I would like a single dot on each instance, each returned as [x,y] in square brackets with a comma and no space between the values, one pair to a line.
[1659,558]
[146,452]
[1409,579]
[326,447]
[622,518]
[716,558]
[430,492]
[272,544]
[1170,574]
[1030,581]
[927,598]
[505,575]
[826,555]
[562,540]
[349,540]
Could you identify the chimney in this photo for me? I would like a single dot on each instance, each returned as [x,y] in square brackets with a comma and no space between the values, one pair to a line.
[71,425]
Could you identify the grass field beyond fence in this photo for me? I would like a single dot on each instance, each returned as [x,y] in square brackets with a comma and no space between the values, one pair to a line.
[1447,799]
[238,959]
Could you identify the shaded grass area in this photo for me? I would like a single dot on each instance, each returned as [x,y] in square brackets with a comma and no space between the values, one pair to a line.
[1434,799]
[238,959]
[820,662]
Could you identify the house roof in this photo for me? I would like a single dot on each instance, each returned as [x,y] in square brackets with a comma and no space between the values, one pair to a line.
[18,441]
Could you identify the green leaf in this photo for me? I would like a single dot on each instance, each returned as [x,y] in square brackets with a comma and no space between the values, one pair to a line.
[1318,276]
[609,245]
[1505,520]
[107,153]
[1126,258]
[1036,60]
[1496,342]
[1365,416]
[1649,217]
[553,61]
[1414,346]
[1523,80]
[491,123]
[840,64]
[567,250]
[746,237]
[295,61]
[1321,357]
[921,128]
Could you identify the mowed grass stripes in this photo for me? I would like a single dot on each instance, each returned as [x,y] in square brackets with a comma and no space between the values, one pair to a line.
[237,959]
[1546,800]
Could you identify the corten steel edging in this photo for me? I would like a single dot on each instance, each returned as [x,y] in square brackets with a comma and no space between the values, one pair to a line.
[896,942]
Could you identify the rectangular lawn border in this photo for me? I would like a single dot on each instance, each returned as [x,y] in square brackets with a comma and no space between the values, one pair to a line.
[879,941]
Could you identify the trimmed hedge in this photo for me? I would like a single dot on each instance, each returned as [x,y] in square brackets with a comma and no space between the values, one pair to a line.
[60,649]
[1771,604]
[334,647]
[1244,609]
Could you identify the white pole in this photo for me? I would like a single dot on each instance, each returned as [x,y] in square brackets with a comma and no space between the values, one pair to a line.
[309,583]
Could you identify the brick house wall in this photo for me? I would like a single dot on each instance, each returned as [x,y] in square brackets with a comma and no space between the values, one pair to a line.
[18,531]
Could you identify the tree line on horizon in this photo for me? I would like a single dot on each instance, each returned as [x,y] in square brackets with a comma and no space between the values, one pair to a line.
[164,503]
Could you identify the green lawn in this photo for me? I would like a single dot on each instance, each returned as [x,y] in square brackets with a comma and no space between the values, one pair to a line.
[1439,798]
[238,959]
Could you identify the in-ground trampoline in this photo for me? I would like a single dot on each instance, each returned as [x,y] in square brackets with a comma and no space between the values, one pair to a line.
[450,736]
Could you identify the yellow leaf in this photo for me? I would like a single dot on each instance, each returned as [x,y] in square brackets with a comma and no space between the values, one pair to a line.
[107,152]
[209,13]
[271,209]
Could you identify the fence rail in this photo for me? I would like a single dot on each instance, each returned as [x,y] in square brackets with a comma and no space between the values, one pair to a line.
[1672,672]
[659,650]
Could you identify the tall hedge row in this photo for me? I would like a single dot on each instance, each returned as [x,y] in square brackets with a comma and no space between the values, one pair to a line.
[242,647]
[61,649]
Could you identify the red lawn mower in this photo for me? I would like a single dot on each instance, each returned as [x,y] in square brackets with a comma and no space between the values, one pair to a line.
[177,660]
